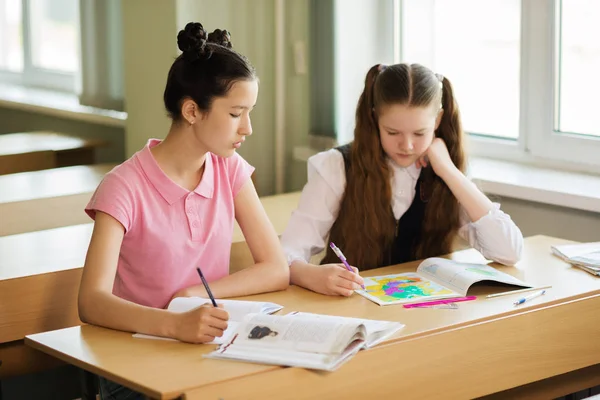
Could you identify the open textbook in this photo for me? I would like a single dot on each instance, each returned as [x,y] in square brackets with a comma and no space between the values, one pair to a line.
[582,255]
[436,278]
[237,310]
[304,340]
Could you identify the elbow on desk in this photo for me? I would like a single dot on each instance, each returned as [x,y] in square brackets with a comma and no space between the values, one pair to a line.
[279,277]
[510,254]
[281,280]
[85,307]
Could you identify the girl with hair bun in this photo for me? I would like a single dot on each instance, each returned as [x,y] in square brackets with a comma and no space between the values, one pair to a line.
[170,208]
[398,192]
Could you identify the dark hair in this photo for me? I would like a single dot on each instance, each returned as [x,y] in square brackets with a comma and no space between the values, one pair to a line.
[206,68]
[369,231]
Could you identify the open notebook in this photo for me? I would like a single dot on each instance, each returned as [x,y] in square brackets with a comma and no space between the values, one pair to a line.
[305,340]
[237,310]
[436,278]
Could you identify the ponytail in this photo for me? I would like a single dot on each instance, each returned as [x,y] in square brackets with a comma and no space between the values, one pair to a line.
[366,131]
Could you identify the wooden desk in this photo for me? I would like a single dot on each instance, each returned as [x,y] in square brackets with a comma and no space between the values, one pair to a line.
[51,198]
[31,151]
[462,363]
[484,347]
[40,274]
[39,282]
[279,210]
[445,336]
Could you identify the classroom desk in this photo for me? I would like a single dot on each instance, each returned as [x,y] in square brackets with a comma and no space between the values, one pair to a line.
[42,270]
[166,370]
[278,207]
[32,151]
[39,281]
[51,198]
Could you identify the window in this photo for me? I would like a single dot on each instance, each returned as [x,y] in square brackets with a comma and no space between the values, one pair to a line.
[39,43]
[476,44]
[524,71]
[579,67]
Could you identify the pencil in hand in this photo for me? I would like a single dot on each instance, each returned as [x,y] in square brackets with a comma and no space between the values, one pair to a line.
[205,283]
[342,258]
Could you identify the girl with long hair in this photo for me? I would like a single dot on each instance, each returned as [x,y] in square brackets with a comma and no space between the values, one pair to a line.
[398,192]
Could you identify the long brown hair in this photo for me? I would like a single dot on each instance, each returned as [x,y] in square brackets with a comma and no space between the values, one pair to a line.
[364,224]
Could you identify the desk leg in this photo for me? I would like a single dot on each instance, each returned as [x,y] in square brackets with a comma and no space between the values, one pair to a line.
[89,385]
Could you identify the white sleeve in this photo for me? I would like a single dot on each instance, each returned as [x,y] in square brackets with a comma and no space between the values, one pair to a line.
[318,208]
[495,235]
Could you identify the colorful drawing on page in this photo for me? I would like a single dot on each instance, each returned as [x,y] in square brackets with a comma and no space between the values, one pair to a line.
[407,286]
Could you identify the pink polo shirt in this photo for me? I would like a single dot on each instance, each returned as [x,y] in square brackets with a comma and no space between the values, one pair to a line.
[169,231]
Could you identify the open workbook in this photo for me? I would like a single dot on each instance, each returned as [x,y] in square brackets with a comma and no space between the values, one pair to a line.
[237,310]
[304,340]
[436,278]
[582,255]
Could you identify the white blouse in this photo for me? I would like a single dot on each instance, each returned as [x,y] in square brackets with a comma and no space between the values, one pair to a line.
[495,235]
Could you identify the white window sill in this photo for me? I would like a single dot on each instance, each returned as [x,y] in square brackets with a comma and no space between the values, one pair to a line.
[57,104]
[524,182]
[542,185]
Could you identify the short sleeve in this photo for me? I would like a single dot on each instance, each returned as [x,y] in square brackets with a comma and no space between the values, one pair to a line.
[113,197]
[239,172]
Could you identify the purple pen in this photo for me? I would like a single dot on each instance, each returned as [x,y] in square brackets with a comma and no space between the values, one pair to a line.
[341,256]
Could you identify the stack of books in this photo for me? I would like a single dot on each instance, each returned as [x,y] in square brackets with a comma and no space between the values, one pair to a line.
[584,255]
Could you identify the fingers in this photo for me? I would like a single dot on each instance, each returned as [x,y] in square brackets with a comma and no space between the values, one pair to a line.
[219,313]
[352,277]
[214,317]
[212,331]
[344,287]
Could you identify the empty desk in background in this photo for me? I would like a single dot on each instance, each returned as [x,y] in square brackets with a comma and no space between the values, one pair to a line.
[39,281]
[32,151]
[37,200]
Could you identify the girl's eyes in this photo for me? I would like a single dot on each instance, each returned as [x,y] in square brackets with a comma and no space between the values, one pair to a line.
[418,134]
[236,115]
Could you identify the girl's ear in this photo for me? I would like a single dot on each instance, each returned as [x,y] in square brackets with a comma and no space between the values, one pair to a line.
[439,118]
[190,111]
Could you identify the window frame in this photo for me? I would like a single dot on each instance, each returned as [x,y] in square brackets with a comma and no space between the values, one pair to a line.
[538,141]
[32,76]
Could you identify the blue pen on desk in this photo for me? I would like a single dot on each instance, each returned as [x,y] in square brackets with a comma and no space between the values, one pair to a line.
[341,256]
[212,299]
[527,298]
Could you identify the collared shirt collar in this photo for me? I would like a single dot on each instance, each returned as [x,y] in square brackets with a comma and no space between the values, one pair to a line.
[168,189]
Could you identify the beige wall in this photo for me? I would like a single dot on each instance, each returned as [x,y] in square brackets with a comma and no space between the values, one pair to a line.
[148,54]
[535,218]
[149,48]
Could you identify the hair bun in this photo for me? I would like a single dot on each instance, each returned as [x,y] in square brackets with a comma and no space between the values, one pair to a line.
[192,41]
[220,37]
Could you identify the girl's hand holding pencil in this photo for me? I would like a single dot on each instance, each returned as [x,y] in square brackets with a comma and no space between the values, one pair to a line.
[201,325]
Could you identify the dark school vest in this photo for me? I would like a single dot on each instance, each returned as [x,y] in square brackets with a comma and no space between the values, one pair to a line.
[408,228]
